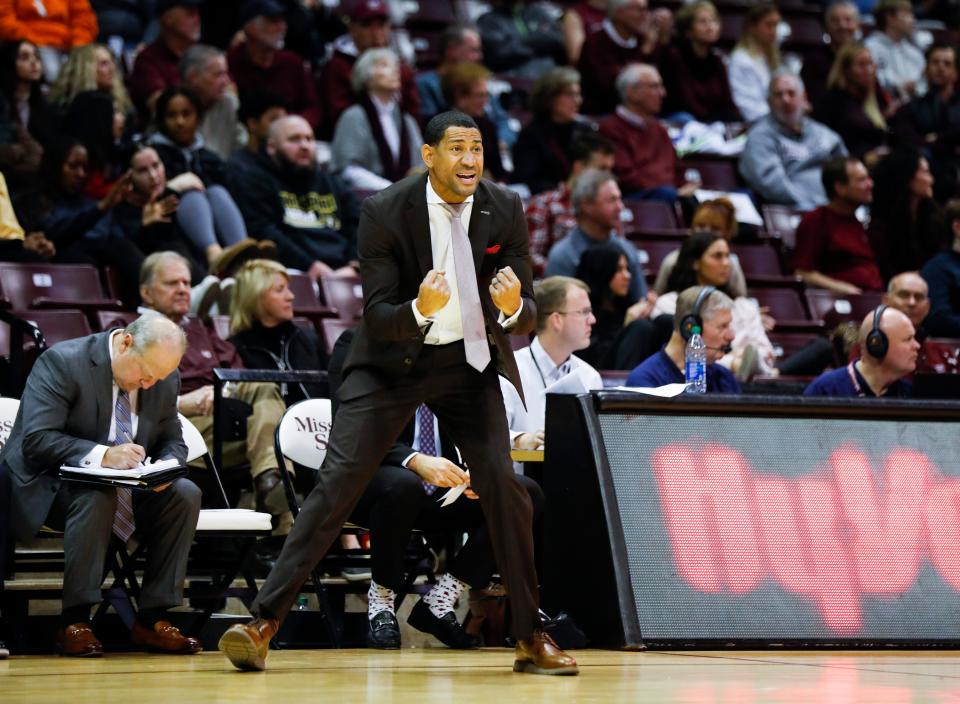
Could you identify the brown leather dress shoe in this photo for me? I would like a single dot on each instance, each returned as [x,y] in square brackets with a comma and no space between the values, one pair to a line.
[78,641]
[539,655]
[245,645]
[164,638]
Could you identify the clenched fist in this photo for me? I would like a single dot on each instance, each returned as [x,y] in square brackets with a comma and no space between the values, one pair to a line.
[434,293]
[505,291]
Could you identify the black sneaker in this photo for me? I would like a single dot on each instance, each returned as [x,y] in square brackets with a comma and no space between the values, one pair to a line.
[384,632]
[445,629]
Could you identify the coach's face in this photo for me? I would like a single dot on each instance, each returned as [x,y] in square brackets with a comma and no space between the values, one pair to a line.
[455,164]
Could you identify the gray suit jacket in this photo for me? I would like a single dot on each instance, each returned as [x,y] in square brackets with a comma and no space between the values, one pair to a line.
[65,411]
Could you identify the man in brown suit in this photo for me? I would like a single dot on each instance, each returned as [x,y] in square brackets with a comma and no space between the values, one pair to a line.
[446,274]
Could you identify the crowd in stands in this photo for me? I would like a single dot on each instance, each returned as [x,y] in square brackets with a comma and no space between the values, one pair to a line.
[206,160]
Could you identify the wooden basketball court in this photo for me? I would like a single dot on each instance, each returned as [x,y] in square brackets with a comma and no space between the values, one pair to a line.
[439,675]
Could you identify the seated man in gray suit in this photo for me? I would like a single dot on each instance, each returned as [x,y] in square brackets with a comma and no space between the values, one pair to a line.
[106,400]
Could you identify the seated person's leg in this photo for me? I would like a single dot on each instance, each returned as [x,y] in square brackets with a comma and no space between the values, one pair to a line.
[472,566]
[166,520]
[85,514]
[389,508]
[268,408]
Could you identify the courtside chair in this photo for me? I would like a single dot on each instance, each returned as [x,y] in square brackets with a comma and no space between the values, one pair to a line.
[210,575]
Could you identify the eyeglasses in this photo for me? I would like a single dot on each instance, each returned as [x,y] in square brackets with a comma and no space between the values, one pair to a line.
[585,313]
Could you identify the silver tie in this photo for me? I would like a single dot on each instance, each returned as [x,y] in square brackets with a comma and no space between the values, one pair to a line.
[471,313]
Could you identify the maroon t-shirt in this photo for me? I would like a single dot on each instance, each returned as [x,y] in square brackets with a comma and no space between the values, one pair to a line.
[838,246]
[156,68]
[205,352]
[287,77]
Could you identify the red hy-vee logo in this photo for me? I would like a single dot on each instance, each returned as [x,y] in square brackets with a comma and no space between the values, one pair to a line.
[831,536]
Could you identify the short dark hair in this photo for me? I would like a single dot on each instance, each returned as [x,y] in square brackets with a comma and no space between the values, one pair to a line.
[254,103]
[453,34]
[942,46]
[437,127]
[587,144]
[834,172]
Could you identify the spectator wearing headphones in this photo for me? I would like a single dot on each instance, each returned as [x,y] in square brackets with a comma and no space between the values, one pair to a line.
[710,310]
[889,353]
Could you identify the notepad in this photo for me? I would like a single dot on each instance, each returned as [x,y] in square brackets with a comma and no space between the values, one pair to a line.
[141,471]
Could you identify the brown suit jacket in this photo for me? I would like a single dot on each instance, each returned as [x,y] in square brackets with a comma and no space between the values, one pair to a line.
[394,246]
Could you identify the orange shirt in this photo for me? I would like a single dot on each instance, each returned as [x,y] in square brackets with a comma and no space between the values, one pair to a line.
[63,24]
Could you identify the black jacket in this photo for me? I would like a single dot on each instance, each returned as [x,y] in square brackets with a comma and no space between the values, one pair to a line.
[199,160]
[311,216]
[284,347]
[402,448]
[395,254]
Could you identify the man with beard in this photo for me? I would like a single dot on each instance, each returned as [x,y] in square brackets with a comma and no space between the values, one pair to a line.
[311,215]
[785,150]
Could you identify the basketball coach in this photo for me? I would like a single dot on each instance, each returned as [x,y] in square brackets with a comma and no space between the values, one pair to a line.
[446,275]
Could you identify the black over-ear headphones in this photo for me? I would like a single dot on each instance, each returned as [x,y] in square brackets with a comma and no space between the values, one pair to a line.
[693,319]
[877,341]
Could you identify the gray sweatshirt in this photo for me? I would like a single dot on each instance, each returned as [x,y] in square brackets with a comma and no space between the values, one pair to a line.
[784,167]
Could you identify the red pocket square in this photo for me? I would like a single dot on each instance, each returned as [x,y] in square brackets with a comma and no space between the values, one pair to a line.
[494,249]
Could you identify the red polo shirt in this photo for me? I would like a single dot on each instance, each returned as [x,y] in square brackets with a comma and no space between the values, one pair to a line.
[838,246]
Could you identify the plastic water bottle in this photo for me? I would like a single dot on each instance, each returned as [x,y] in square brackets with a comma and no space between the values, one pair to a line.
[696,363]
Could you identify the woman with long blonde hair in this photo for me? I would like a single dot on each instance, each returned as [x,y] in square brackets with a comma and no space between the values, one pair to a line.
[91,67]
[754,60]
[855,106]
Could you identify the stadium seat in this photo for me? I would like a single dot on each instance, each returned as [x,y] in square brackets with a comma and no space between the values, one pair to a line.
[784,303]
[653,252]
[757,260]
[781,221]
[305,301]
[344,295]
[834,308]
[715,174]
[652,214]
[107,319]
[331,329]
[45,286]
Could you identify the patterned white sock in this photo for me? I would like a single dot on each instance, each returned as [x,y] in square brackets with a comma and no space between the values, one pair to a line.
[379,599]
[443,597]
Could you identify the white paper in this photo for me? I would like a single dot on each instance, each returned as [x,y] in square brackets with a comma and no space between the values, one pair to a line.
[454,493]
[665,391]
[139,472]
[744,209]
[571,383]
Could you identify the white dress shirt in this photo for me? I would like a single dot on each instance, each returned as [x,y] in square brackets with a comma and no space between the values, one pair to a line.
[537,372]
[94,458]
[447,326]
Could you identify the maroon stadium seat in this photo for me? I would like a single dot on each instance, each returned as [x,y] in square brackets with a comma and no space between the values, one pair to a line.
[331,329]
[780,221]
[652,214]
[28,286]
[344,295]
[653,252]
[305,301]
[107,319]
[833,308]
[757,260]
